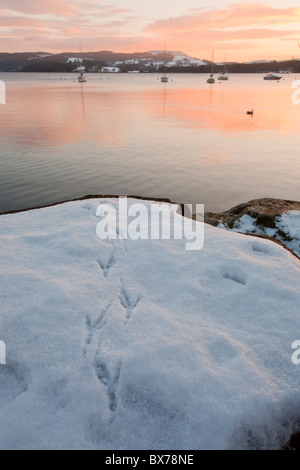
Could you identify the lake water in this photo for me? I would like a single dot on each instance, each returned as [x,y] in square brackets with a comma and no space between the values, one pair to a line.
[130,134]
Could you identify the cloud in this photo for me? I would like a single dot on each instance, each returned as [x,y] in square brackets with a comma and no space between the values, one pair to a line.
[234,16]
[58,25]
[240,26]
[57,7]
[94,43]
[105,10]
[65,20]
[63,7]
[233,35]
[21,22]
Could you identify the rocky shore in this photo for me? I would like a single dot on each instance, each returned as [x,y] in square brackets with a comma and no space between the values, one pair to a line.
[274,219]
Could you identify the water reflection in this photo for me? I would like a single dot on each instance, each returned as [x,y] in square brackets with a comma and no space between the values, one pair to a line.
[185,140]
[227,110]
[71,112]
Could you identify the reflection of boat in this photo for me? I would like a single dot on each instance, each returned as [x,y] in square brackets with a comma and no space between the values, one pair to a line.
[272,76]
[82,78]
[211,77]
[223,75]
[165,77]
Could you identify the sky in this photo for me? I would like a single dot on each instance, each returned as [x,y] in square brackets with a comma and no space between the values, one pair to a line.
[241,31]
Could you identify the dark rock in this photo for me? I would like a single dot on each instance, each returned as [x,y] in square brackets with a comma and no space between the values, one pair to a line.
[263,210]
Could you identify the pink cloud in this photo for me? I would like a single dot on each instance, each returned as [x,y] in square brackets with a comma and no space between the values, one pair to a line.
[105,10]
[236,15]
[101,26]
[63,7]
[218,36]
[57,7]
[21,22]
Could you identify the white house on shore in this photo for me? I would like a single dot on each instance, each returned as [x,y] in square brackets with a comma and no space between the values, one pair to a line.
[74,59]
[110,69]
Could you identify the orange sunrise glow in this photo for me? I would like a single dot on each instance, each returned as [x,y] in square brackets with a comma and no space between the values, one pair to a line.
[245,31]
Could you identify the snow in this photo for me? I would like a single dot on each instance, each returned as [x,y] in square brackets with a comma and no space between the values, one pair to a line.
[179,58]
[141,344]
[110,69]
[287,228]
[245,224]
[74,59]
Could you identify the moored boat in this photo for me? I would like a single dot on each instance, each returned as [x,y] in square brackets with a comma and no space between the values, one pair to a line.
[211,77]
[164,78]
[272,76]
[82,78]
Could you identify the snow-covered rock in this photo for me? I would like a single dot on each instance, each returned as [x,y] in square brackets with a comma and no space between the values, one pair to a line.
[278,219]
[140,344]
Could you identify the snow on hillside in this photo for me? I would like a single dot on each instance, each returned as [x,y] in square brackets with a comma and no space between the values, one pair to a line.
[140,344]
[179,57]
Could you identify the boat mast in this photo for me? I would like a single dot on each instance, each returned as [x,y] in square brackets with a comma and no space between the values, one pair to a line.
[80,53]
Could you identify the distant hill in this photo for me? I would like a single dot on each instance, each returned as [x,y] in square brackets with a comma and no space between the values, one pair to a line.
[151,61]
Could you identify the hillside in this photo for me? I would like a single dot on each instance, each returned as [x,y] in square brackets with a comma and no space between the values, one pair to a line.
[152,61]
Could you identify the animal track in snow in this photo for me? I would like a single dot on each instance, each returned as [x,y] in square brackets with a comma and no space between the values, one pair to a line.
[109,380]
[234,275]
[93,325]
[128,301]
[87,206]
[105,265]
[260,248]
[223,349]
[13,382]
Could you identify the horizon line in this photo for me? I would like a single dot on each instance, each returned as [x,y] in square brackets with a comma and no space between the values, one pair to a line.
[148,51]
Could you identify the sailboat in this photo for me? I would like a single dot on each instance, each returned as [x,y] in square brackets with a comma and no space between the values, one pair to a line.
[164,78]
[272,76]
[82,77]
[211,77]
[223,76]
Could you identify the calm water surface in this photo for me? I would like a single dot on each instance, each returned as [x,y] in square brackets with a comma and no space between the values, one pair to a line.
[130,134]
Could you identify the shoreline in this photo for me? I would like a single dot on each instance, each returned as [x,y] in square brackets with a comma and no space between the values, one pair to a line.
[91,196]
[262,211]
